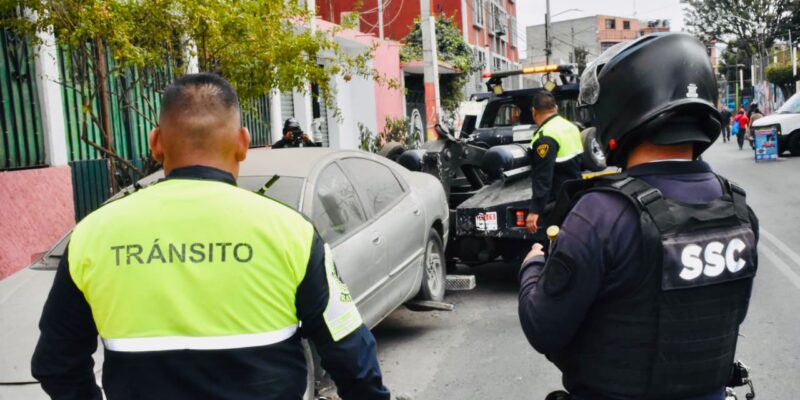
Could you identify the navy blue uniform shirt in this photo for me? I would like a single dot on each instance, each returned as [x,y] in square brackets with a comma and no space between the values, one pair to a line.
[63,363]
[602,236]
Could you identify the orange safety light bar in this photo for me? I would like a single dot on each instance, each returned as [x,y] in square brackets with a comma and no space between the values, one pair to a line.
[540,69]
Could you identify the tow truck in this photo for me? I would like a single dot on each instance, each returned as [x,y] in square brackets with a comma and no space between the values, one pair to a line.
[485,167]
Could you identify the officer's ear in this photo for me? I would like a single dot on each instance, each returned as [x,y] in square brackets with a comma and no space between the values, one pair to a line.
[243,144]
[156,147]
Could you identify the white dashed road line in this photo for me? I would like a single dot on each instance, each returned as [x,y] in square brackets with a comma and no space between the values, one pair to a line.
[780,264]
[782,247]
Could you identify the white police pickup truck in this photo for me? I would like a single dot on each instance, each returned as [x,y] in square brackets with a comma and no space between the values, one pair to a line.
[787,120]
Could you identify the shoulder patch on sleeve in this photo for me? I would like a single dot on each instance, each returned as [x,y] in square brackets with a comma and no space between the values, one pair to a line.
[341,315]
[558,274]
[542,150]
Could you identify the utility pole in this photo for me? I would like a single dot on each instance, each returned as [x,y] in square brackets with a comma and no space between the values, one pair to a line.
[741,87]
[429,58]
[547,47]
[489,38]
[380,19]
[793,54]
[572,43]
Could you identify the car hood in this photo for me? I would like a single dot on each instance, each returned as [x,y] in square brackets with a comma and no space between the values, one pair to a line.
[775,119]
[21,302]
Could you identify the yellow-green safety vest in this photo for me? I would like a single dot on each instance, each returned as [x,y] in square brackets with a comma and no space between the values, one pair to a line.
[565,133]
[197,264]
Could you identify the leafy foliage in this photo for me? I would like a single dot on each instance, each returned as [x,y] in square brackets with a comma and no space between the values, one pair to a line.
[781,76]
[451,48]
[738,22]
[394,130]
[258,45]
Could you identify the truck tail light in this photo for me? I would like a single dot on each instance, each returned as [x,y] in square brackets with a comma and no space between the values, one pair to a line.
[520,218]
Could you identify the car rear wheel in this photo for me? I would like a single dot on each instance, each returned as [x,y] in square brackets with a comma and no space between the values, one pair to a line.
[433,269]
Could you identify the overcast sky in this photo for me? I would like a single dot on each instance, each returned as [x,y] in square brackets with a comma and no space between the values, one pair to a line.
[531,12]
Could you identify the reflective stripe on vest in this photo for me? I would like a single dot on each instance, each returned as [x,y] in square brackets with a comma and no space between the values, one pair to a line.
[191,264]
[565,133]
[199,342]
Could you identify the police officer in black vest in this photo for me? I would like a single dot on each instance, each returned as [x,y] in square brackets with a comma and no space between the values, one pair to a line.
[644,289]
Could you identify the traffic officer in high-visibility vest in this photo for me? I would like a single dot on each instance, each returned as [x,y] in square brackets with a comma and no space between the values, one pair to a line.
[197,288]
[556,147]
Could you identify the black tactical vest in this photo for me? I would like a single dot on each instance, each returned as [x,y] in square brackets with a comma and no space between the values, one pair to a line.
[674,334]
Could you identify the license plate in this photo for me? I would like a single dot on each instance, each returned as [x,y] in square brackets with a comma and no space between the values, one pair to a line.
[486,221]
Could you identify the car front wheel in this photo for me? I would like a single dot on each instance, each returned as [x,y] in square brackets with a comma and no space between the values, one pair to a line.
[794,143]
[433,269]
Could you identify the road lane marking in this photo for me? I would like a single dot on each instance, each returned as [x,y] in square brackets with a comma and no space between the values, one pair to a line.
[780,265]
[781,246]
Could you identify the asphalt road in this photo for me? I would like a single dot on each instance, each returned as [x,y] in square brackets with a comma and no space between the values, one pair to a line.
[478,351]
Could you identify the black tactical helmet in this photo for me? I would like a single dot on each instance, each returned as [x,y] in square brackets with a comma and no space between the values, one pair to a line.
[291,124]
[660,87]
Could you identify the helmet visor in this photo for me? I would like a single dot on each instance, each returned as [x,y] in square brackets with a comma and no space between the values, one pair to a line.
[590,85]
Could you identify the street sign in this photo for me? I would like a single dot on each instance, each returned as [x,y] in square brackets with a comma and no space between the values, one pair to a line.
[766,143]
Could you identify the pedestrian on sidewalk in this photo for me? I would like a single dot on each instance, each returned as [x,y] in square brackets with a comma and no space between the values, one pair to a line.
[197,288]
[726,124]
[754,113]
[742,121]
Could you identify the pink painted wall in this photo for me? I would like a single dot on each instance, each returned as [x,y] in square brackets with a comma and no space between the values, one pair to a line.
[386,60]
[36,209]
[389,102]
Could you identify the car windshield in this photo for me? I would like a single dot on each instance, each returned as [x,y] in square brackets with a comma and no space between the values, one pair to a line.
[287,189]
[792,106]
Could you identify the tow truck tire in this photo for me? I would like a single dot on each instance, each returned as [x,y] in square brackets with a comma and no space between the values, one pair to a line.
[433,269]
[593,158]
[392,150]
[794,143]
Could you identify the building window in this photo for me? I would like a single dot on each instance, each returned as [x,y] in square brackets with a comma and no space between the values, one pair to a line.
[611,24]
[477,13]
[626,25]
[512,31]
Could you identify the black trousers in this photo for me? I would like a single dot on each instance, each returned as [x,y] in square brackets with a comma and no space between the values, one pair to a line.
[740,139]
[726,133]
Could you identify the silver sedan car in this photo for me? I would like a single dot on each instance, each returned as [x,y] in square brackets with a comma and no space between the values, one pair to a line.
[386,226]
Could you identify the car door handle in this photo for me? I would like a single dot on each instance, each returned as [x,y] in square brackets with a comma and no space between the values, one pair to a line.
[377,240]
[417,212]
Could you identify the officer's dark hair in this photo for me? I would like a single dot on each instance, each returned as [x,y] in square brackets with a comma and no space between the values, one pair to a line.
[543,100]
[198,93]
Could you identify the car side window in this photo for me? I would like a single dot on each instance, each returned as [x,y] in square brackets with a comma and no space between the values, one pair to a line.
[376,181]
[337,211]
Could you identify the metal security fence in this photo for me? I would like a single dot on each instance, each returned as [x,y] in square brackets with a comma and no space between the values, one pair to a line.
[22,141]
[255,116]
[91,185]
[135,98]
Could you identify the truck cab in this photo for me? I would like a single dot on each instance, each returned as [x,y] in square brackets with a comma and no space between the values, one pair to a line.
[786,120]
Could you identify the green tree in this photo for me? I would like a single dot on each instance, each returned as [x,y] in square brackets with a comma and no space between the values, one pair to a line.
[258,45]
[452,49]
[739,22]
[781,76]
